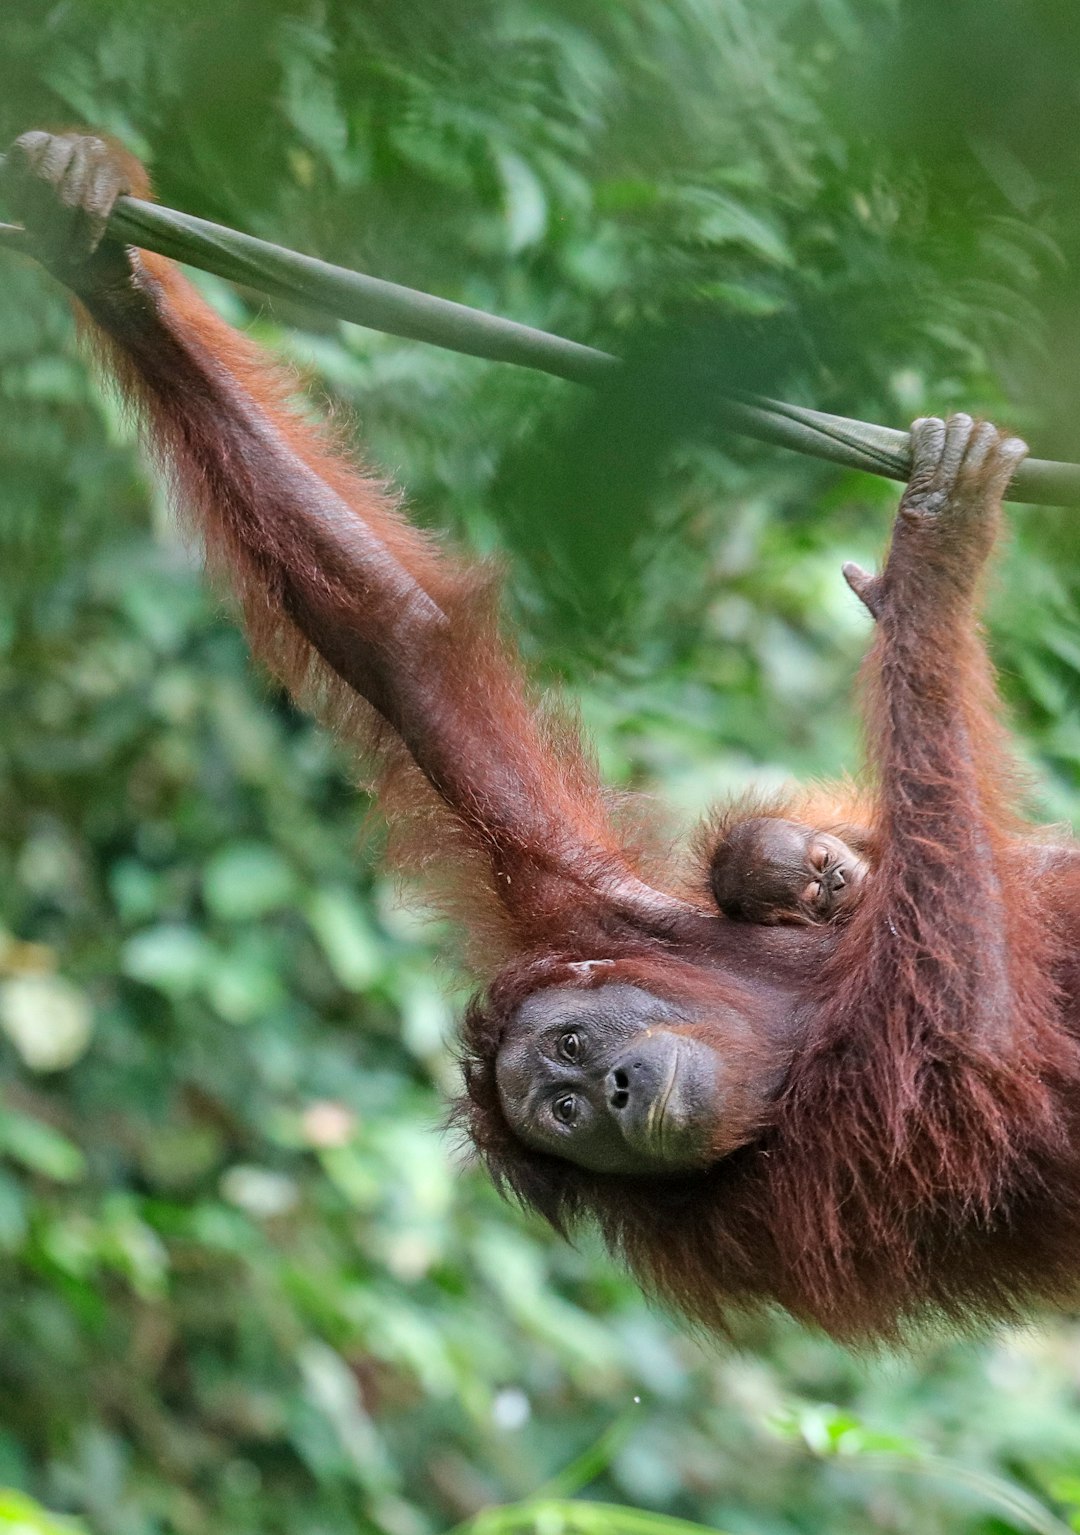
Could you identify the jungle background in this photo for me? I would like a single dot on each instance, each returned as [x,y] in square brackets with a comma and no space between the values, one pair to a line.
[246,1281]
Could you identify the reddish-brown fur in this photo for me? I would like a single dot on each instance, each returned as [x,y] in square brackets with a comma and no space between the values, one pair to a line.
[918,1159]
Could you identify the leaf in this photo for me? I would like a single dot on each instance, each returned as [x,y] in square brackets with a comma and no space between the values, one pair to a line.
[47,1019]
[172,957]
[524,201]
[40,1148]
[20,1515]
[712,218]
[248,879]
[346,936]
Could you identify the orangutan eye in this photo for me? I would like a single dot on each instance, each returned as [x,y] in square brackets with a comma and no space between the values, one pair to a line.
[570,1046]
[819,857]
[813,892]
[565,1109]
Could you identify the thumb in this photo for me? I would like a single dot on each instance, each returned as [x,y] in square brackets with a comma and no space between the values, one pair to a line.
[866,587]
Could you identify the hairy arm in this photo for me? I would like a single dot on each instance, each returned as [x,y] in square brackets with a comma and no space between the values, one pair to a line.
[950,910]
[932,1081]
[341,596]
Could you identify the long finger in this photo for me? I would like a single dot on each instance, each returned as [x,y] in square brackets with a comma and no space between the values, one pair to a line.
[98,188]
[1006,461]
[983,439]
[927,441]
[958,430]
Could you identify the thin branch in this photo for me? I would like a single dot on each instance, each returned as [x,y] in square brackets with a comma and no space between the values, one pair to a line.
[400,311]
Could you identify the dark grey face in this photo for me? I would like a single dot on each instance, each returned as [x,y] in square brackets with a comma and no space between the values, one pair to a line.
[835,877]
[599,1078]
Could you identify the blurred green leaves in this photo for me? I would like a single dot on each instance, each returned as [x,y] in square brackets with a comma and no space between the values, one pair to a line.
[21,1516]
[245,1283]
[40,1148]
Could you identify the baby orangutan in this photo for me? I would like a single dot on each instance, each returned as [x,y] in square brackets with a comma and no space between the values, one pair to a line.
[768,869]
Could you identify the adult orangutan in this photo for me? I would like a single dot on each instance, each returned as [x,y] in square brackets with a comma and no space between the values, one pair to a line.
[872,1123]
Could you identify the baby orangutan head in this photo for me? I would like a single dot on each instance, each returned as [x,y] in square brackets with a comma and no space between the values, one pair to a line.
[770,870]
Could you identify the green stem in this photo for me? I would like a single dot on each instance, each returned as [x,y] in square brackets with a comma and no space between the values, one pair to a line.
[399,311]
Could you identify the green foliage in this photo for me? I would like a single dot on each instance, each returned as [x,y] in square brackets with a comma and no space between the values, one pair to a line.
[245,1283]
[21,1516]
